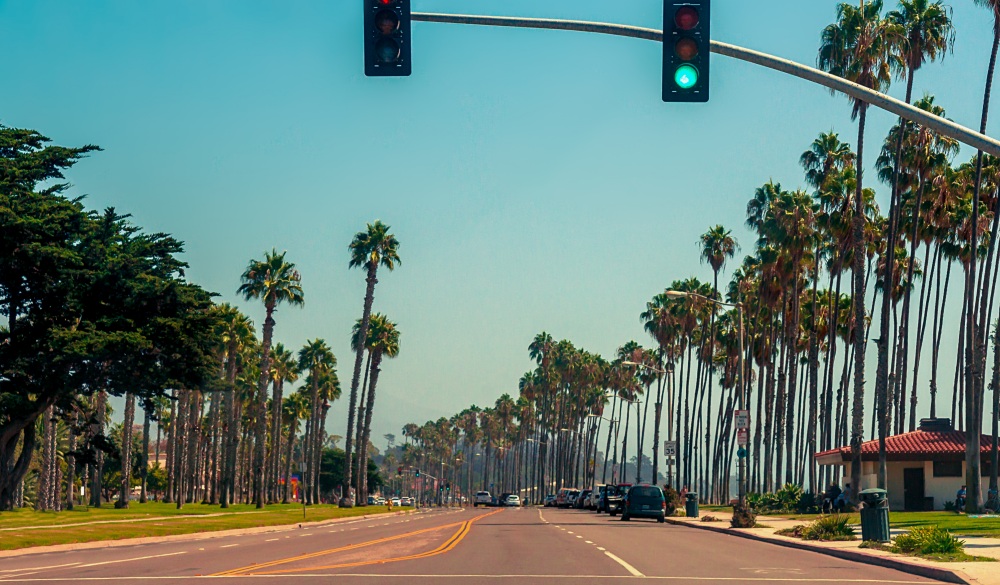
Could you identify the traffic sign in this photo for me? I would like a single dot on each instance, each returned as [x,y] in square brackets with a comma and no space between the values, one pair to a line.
[669,448]
[742,419]
[742,437]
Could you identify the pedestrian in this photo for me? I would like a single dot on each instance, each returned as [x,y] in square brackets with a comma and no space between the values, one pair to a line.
[841,502]
[960,500]
[684,493]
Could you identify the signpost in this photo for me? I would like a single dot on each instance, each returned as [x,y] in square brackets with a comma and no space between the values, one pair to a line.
[742,419]
[742,437]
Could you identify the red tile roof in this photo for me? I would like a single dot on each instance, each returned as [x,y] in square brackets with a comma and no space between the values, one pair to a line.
[915,446]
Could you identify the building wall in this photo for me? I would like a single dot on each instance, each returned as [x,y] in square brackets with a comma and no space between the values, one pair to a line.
[942,489]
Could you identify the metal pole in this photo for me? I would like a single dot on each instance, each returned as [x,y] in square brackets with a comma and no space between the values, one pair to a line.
[879,100]
[743,396]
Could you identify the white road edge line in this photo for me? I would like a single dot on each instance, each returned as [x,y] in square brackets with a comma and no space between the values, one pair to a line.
[228,545]
[135,559]
[628,567]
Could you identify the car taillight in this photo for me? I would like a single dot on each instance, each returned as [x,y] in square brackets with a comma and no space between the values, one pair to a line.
[663,504]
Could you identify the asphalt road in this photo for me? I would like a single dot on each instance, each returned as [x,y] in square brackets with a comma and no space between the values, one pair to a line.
[474,546]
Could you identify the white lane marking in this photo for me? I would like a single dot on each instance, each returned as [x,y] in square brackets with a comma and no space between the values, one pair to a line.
[569,532]
[635,572]
[272,539]
[578,536]
[134,559]
[301,535]
[37,568]
[601,548]
[228,545]
[588,542]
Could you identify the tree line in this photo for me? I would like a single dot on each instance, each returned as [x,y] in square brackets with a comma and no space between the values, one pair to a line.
[96,307]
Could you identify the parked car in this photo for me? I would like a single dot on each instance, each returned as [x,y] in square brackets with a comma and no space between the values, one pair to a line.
[581,499]
[570,498]
[561,497]
[512,501]
[595,496]
[615,496]
[405,501]
[550,500]
[644,501]
[482,499]
[372,501]
[396,502]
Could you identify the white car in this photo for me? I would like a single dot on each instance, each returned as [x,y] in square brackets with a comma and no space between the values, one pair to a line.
[395,502]
[482,499]
[512,501]
[405,502]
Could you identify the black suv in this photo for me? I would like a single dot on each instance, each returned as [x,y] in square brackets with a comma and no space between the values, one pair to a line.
[644,501]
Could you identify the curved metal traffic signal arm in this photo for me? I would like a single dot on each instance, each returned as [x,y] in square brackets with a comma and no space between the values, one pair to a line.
[879,100]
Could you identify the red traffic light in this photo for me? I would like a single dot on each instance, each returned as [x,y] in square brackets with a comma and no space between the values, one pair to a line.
[686,18]
[386,2]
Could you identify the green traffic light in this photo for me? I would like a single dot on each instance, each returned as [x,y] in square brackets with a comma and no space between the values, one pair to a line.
[686,76]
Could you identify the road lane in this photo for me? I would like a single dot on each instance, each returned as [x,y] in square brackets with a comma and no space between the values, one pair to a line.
[475,547]
[204,556]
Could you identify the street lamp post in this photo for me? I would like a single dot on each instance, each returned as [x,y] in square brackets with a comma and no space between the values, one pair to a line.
[675,294]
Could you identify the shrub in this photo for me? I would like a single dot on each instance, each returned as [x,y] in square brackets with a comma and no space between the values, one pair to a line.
[743,516]
[709,518]
[788,496]
[949,506]
[673,500]
[833,527]
[795,531]
[809,503]
[928,540]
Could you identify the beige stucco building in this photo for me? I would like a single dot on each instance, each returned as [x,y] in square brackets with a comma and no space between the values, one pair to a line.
[925,468]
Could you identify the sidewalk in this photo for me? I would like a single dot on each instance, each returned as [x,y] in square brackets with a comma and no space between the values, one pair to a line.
[968,573]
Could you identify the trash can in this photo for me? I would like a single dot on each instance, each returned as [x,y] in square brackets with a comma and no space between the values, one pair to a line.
[874,515]
[691,505]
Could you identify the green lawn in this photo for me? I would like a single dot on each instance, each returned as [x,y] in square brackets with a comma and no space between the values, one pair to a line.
[27,528]
[958,524]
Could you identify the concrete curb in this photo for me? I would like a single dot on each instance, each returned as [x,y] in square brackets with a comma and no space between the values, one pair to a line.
[192,536]
[941,574]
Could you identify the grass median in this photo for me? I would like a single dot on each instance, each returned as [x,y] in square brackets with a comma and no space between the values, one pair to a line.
[28,528]
[958,524]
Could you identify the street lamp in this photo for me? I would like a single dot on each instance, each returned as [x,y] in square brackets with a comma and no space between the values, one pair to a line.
[647,366]
[676,294]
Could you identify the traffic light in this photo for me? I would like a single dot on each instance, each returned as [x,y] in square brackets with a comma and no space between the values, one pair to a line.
[387,38]
[399,470]
[416,473]
[686,50]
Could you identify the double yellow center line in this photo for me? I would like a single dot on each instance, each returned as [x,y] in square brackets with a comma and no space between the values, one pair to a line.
[260,568]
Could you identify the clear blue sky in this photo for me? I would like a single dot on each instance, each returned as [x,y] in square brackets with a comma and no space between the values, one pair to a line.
[535,179]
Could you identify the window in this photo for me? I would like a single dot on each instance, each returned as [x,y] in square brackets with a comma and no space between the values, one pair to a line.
[947,469]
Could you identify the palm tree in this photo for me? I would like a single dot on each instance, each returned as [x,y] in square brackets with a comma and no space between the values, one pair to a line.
[236,334]
[369,249]
[384,340]
[858,47]
[925,31]
[977,333]
[284,369]
[293,409]
[275,281]
[315,358]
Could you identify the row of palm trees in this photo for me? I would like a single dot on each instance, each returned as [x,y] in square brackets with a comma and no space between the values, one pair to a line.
[806,331]
[240,437]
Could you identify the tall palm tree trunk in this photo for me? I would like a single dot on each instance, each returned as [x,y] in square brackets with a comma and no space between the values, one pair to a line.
[371,280]
[858,294]
[366,436]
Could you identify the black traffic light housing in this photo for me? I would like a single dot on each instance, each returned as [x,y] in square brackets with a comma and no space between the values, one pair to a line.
[686,50]
[387,38]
